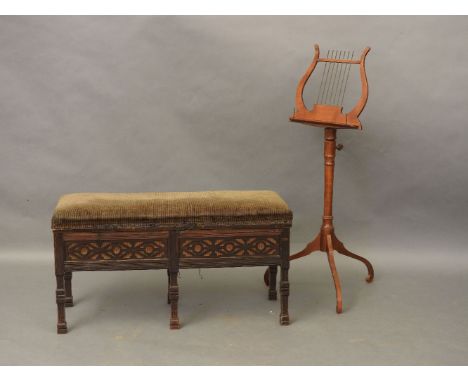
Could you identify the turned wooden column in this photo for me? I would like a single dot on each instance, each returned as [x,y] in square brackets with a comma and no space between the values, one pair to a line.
[329,154]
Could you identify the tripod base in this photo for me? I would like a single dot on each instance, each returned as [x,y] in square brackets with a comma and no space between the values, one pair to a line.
[328,242]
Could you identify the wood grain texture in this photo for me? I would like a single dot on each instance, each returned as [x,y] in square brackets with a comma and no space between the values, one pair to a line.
[68,289]
[284,278]
[299,101]
[335,276]
[232,262]
[354,114]
[272,293]
[116,265]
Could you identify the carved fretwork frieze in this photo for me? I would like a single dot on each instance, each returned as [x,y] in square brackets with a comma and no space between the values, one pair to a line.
[229,247]
[115,250]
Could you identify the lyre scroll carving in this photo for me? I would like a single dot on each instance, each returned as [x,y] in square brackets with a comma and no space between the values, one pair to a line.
[331,114]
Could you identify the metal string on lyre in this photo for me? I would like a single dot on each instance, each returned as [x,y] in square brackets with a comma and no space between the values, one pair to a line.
[330,79]
[348,68]
[321,81]
[325,69]
[336,98]
[334,79]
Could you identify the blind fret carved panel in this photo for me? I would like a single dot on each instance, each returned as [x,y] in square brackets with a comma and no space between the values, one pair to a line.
[115,250]
[229,247]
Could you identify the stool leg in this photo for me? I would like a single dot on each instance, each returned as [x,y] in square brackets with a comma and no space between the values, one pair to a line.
[68,289]
[60,299]
[273,270]
[284,293]
[174,298]
[60,295]
[168,286]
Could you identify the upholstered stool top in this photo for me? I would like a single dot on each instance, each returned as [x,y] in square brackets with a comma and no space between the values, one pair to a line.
[170,209]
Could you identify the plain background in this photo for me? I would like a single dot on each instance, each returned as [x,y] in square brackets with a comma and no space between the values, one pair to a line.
[132,104]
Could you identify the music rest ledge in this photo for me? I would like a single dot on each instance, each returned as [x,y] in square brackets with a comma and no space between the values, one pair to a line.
[327,113]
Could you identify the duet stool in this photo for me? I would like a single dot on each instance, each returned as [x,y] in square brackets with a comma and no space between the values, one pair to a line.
[170,230]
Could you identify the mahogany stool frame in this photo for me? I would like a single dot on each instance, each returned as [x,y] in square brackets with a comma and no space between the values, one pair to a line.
[173,249]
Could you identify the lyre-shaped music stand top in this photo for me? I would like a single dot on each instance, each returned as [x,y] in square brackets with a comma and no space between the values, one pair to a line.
[331,114]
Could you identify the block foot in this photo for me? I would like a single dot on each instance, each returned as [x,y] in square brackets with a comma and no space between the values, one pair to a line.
[284,320]
[174,324]
[69,302]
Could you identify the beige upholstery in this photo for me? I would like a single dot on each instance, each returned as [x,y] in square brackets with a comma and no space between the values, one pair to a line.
[170,209]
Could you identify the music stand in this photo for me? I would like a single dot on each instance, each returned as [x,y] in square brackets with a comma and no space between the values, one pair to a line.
[328,114]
